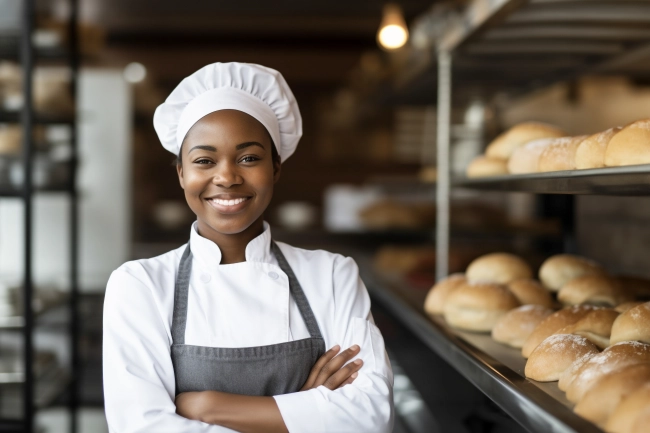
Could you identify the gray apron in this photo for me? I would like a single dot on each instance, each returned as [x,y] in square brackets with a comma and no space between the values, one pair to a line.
[262,371]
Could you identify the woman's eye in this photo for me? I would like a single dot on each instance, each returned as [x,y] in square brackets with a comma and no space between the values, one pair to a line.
[202,161]
[249,159]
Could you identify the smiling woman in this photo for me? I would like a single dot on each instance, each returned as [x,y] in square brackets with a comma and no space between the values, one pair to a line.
[229,332]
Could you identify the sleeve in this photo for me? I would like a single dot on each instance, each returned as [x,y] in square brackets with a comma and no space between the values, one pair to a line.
[139,385]
[366,405]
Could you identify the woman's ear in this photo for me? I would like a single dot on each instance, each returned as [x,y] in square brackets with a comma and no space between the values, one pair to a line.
[179,171]
[277,169]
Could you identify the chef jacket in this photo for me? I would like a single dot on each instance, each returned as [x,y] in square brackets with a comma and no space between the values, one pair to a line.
[239,305]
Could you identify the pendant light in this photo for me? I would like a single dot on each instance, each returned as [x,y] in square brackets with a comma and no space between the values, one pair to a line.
[393,32]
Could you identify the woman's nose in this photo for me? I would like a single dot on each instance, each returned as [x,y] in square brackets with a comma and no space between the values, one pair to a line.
[227,175]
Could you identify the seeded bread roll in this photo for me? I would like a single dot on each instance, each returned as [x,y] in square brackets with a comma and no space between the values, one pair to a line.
[625,414]
[529,291]
[437,296]
[498,268]
[613,358]
[570,373]
[591,152]
[633,325]
[630,146]
[594,290]
[560,154]
[525,159]
[600,401]
[596,326]
[477,307]
[484,166]
[557,270]
[552,324]
[503,146]
[555,354]
[516,325]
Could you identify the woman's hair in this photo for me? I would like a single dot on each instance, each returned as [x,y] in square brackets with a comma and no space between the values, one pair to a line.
[274,154]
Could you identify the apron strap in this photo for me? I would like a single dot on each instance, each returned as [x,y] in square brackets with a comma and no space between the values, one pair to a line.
[179,319]
[298,294]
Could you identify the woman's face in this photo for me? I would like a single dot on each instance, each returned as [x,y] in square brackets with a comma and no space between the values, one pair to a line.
[228,171]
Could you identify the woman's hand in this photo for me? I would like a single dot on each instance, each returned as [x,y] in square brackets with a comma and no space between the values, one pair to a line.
[330,372]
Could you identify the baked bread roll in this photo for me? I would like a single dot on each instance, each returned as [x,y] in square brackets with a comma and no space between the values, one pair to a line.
[622,308]
[484,166]
[552,324]
[613,358]
[630,146]
[633,325]
[637,285]
[525,159]
[596,326]
[498,268]
[555,354]
[529,291]
[516,325]
[591,152]
[560,154]
[557,270]
[625,414]
[600,401]
[593,290]
[437,296]
[503,146]
[570,373]
[477,307]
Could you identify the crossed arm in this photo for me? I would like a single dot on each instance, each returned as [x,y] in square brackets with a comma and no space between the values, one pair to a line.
[249,414]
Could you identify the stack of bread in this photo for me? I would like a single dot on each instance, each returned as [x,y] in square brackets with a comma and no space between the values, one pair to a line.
[597,346]
[535,148]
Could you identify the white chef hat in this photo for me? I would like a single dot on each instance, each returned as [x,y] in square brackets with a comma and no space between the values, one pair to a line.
[256,90]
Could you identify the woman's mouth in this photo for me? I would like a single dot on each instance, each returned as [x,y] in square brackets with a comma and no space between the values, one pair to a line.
[229,205]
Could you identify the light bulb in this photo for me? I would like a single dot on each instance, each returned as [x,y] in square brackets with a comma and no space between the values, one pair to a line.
[135,72]
[393,32]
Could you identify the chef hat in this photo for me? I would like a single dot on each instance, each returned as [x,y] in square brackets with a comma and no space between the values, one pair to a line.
[256,90]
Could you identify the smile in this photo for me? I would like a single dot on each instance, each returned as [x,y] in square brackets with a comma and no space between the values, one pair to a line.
[228,202]
[230,206]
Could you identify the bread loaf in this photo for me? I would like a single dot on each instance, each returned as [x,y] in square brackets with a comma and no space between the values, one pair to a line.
[596,326]
[594,290]
[630,146]
[516,325]
[529,291]
[477,307]
[553,323]
[499,268]
[555,354]
[625,414]
[600,401]
[525,159]
[484,166]
[437,296]
[560,154]
[503,146]
[557,270]
[613,358]
[591,152]
[633,325]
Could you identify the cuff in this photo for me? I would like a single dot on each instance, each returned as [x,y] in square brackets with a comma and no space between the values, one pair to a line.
[300,411]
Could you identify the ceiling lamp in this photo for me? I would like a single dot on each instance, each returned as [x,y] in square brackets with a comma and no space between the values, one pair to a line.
[393,32]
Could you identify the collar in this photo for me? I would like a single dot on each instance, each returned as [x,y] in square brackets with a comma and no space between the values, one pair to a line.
[208,252]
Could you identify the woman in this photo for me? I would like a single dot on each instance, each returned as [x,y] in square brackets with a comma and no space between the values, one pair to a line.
[229,331]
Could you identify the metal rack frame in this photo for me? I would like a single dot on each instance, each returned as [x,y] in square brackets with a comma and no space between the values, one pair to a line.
[28,118]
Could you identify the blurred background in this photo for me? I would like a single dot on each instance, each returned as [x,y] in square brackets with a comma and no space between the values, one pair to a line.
[84,77]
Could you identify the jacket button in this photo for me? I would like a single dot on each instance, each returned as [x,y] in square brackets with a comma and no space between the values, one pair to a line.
[205,278]
[273,275]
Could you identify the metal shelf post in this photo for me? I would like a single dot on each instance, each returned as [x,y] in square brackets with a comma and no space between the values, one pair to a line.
[443,181]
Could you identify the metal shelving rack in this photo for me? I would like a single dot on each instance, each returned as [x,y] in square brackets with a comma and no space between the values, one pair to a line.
[36,395]
[514,47]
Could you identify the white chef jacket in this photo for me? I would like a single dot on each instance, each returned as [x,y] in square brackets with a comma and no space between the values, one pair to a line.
[239,305]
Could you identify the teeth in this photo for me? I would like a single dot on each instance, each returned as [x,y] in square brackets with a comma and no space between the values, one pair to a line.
[229,202]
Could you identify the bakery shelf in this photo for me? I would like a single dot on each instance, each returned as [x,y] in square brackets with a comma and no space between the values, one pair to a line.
[621,181]
[494,369]
[39,118]
[10,192]
[53,318]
